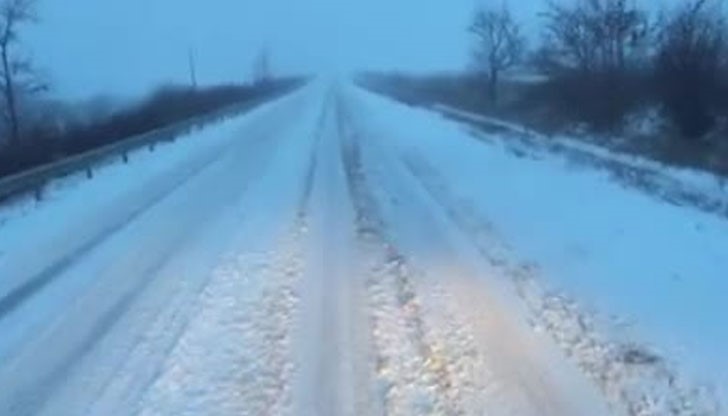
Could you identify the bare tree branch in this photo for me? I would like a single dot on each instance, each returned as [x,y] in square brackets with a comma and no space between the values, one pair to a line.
[594,35]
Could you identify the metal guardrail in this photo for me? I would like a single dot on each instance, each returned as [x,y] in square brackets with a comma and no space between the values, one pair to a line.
[34,180]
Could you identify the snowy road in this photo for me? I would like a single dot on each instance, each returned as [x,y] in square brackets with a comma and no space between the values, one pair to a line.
[291,261]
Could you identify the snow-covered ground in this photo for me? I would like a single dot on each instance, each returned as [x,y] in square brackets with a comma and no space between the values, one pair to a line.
[336,253]
[675,184]
[655,270]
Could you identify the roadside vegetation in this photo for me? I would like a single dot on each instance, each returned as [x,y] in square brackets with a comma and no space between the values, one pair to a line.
[45,143]
[36,129]
[640,81]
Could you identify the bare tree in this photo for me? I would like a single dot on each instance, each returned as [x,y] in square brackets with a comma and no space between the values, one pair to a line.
[595,35]
[499,44]
[691,49]
[18,76]
[596,54]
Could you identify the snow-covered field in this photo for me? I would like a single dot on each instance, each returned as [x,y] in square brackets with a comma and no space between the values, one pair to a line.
[336,253]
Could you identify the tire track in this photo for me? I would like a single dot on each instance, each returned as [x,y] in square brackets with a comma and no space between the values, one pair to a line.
[250,309]
[262,174]
[167,321]
[632,377]
[15,298]
[313,159]
[516,373]
[411,363]
[30,399]
[165,187]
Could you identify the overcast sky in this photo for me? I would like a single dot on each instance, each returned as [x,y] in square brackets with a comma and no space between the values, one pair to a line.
[126,47]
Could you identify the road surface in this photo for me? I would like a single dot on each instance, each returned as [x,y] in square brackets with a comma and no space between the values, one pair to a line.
[298,263]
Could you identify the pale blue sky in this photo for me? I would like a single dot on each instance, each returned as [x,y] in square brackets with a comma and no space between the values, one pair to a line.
[125,47]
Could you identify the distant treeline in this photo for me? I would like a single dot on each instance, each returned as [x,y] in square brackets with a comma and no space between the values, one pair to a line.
[44,144]
[600,61]
[601,67]
[606,59]
[555,106]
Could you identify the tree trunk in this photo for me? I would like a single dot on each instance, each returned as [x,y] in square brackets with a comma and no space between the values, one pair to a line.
[10,97]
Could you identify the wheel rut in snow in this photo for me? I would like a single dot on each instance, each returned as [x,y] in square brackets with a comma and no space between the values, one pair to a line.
[423,357]
[164,188]
[634,379]
[351,284]
[117,320]
[514,370]
[14,299]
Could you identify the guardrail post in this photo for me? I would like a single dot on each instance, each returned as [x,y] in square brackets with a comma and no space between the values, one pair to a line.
[89,173]
[152,146]
[125,157]
[38,193]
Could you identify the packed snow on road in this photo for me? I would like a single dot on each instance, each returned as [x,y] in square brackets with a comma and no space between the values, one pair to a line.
[333,252]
